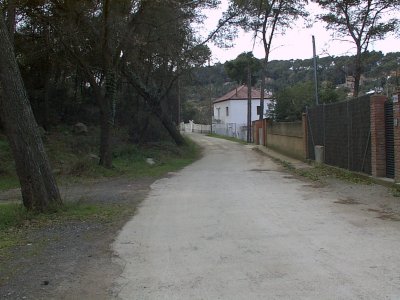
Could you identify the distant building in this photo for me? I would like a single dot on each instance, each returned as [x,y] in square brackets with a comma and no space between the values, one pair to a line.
[232,107]
[350,82]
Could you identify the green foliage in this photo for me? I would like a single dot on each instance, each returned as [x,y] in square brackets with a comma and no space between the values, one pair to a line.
[8,178]
[14,215]
[332,71]
[328,93]
[291,102]
[361,22]
[11,215]
[199,112]
[360,19]
[238,68]
[167,156]
[73,157]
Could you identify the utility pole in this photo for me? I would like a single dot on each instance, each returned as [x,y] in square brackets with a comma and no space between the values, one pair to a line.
[248,103]
[264,64]
[315,71]
[211,102]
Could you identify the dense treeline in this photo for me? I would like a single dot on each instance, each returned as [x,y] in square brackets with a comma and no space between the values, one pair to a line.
[107,63]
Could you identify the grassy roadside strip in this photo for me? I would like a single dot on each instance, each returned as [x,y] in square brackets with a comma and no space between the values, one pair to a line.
[319,172]
[130,161]
[228,138]
[74,158]
[15,221]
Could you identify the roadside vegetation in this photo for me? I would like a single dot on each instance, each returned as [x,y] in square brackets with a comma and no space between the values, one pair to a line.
[74,161]
[320,172]
[73,157]
[16,222]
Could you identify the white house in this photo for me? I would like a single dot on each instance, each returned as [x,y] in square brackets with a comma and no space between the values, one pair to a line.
[232,107]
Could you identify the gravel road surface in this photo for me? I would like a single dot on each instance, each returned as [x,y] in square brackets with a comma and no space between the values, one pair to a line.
[233,225]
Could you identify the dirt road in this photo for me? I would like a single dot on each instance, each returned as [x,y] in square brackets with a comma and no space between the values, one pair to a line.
[234,226]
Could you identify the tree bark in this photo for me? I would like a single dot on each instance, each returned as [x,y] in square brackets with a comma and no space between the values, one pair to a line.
[171,128]
[106,119]
[357,75]
[11,20]
[105,140]
[106,125]
[154,104]
[38,186]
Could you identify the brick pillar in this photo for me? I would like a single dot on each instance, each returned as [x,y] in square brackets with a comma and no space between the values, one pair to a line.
[305,135]
[378,147]
[255,132]
[396,116]
[265,131]
[267,128]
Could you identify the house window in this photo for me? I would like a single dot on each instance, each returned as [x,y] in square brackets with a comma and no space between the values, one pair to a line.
[218,114]
[227,111]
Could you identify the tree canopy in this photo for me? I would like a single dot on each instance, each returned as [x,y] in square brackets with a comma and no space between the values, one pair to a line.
[362,21]
[238,68]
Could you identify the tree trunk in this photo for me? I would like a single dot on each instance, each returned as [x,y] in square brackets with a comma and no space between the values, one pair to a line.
[107,120]
[357,75]
[171,128]
[11,20]
[153,102]
[105,140]
[248,104]
[38,186]
[46,97]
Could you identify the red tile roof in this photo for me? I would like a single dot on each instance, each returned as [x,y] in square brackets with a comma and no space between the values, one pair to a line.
[239,93]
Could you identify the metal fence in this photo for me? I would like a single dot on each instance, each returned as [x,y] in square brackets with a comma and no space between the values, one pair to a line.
[235,130]
[344,130]
[192,127]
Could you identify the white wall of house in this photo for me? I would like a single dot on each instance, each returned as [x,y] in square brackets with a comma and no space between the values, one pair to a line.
[237,110]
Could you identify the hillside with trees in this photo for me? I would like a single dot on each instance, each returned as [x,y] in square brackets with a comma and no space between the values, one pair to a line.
[380,73]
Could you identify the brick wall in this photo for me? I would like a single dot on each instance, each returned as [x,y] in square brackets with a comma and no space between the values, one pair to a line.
[256,126]
[378,147]
[287,137]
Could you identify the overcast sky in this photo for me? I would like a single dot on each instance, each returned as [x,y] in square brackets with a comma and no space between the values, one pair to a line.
[295,44]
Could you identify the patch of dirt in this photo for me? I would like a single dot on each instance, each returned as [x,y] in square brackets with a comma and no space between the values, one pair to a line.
[315,185]
[347,201]
[373,197]
[386,215]
[71,260]
[261,170]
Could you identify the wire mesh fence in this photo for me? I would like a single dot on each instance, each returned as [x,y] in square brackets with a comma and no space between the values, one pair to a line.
[235,130]
[344,130]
